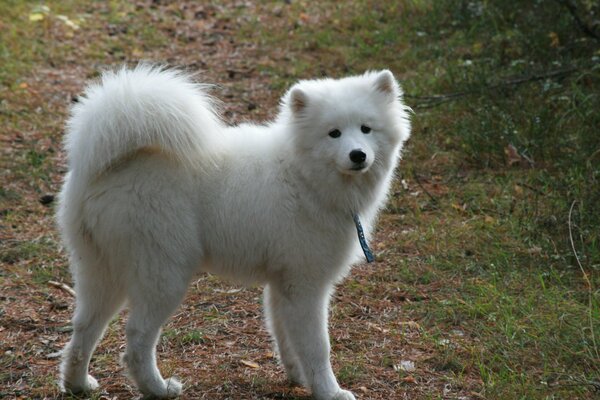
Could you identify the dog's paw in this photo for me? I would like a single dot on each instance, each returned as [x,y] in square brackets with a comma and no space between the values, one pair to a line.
[173,387]
[90,384]
[343,395]
[170,388]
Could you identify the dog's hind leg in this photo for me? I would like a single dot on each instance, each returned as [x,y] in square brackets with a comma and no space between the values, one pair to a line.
[98,299]
[275,324]
[152,301]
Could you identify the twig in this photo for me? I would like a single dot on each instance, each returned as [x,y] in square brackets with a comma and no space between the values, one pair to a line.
[532,188]
[586,279]
[433,199]
[435,100]
[594,154]
[62,286]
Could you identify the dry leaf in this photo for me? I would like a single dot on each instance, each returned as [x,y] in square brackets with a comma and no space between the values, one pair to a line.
[250,364]
[33,17]
[39,13]
[304,17]
[70,23]
[512,155]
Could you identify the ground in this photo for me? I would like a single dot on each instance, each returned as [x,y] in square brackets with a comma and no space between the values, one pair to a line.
[486,280]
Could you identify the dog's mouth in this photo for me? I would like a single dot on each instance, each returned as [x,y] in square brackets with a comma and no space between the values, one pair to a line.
[356,169]
[359,167]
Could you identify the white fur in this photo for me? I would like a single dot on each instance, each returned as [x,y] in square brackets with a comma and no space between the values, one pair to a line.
[159,189]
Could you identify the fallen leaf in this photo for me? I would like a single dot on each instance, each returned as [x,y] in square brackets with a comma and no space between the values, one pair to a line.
[39,13]
[70,23]
[33,17]
[512,155]
[250,364]
[304,17]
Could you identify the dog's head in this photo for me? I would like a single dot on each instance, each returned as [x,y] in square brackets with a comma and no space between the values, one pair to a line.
[348,125]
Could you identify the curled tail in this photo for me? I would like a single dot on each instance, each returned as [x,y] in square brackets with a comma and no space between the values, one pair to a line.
[136,108]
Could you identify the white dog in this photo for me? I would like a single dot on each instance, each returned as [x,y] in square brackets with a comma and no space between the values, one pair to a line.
[159,189]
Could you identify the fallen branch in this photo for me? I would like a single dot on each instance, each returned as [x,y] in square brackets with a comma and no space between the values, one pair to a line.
[436,100]
[532,188]
[62,286]
[588,30]
[433,199]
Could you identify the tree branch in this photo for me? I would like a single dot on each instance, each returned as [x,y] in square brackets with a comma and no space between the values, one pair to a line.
[436,100]
[588,30]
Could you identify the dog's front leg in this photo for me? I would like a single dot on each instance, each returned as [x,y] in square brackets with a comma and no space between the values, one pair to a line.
[303,310]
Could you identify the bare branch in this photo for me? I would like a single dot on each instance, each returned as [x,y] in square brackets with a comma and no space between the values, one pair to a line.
[588,30]
[62,286]
[436,100]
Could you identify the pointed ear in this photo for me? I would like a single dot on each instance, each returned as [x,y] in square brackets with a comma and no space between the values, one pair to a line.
[386,83]
[298,100]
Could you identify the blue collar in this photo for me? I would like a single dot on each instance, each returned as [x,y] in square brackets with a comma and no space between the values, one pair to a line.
[361,238]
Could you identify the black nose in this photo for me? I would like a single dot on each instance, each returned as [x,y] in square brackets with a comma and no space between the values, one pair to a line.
[357,156]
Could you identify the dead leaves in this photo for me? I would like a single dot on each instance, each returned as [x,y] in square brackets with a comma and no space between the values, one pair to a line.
[39,13]
[514,157]
[250,364]
[43,13]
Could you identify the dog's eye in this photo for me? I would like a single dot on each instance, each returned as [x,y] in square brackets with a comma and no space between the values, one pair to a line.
[335,133]
[365,129]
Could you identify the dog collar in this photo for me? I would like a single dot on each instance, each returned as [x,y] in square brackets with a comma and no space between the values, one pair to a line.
[361,239]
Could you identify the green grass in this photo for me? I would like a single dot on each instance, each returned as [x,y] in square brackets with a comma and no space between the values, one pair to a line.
[183,338]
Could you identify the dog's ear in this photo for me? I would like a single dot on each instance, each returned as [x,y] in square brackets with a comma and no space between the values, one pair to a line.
[298,100]
[386,83]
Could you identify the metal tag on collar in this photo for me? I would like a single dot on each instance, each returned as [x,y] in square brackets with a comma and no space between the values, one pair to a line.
[361,238]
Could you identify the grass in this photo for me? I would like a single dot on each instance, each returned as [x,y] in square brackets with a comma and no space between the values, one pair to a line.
[477,281]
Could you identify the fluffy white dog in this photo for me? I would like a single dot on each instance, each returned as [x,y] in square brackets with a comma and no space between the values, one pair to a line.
[159,189]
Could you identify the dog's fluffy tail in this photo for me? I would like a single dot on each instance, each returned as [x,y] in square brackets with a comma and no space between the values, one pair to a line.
[133,109]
